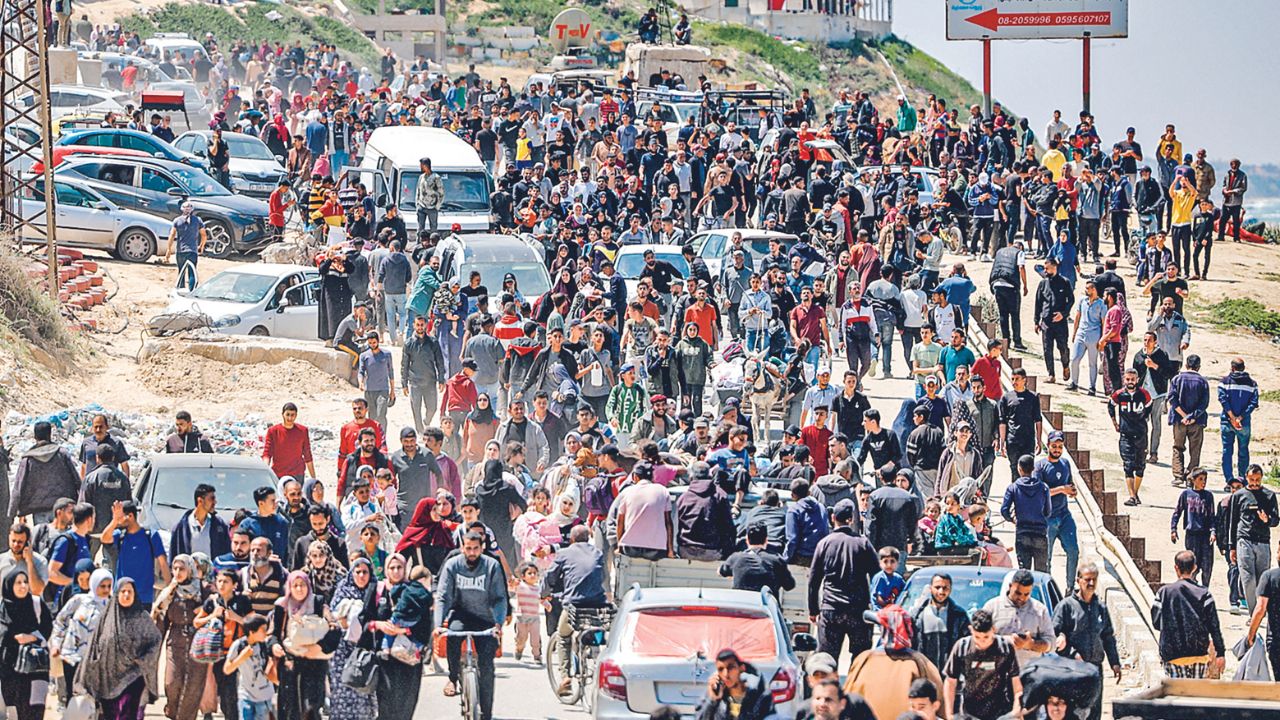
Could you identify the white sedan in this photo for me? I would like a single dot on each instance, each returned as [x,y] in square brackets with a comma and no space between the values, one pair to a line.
[87,219]
[257,299]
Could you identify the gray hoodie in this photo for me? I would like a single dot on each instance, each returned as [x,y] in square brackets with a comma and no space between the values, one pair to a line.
[477,596]
[46,472]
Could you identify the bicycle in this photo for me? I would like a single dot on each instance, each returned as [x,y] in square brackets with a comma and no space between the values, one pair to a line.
[590,626]
[469,675]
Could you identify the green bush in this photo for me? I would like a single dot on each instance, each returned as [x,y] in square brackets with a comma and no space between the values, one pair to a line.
[252,25]
[921,71]
[27,310]
[792,60]
[1245,313]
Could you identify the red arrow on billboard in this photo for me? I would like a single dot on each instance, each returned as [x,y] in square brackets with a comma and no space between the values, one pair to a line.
[993,19]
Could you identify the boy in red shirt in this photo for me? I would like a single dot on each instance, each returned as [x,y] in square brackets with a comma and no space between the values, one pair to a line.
[277,205]
[815,437]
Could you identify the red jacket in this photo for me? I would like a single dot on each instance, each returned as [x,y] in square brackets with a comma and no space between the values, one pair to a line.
[459,394]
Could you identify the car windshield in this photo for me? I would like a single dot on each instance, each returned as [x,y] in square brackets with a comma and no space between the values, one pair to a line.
[247,148]
[970,594]
[531,277]
[463,191]
[684,110]
[175,487]
[197,182]
[238,287]
[688,632]
[630,265]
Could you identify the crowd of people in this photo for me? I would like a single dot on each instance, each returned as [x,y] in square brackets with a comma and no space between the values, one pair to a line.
[547,431]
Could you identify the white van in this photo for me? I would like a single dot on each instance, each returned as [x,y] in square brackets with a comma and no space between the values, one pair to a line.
[390,172]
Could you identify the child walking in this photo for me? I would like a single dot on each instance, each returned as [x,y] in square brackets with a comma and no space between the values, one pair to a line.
[528,605]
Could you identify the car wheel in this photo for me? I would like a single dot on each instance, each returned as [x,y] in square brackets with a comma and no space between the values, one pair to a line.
[135,245]
[259,331]
[219,245]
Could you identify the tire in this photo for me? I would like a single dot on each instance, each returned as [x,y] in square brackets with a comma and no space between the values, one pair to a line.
[553,674]
[135,245]
[220,239]
[589,679]
[471,694]
[259,331]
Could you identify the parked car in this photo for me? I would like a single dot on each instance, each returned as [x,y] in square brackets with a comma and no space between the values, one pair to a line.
[257,299]
[629,262]
[131,140]
[87,219]
[973,585]
[152,77]
[661,650]
[234,223]
[493,256]
[19,136]
[165,488]
[711,245]
[254,170]
[62,152]
[66,99]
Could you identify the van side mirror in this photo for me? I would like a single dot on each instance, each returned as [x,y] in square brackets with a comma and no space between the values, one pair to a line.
[804,642]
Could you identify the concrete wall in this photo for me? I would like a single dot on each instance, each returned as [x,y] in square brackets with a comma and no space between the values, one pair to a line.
[874,19]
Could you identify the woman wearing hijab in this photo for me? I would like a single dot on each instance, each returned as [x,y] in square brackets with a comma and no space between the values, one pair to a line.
[344,702]
[175,614]
[500,504]
[447,509]
[323,568]
[511,285]
[564,515]
[536,535]
[74,626]
[302,671]
[693,356]
[395,608]
[121,670]
[426,541]
[478,429]
[334,299]
[492,451]
[562,266]
[24,620]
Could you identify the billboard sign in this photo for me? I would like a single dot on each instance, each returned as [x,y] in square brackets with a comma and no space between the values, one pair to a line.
[1036,19]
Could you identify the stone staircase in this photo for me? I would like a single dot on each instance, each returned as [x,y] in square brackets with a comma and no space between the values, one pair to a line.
[80,282]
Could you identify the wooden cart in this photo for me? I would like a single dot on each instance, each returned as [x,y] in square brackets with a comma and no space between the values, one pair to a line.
[1201,699]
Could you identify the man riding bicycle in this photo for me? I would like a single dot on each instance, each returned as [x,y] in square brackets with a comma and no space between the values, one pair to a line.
[472,596]
[577,579]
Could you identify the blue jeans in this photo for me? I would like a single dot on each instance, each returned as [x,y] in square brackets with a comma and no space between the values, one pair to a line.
[811,359]
[187,269]
[397,318]
[1062,528]
[757,340]
[250,710]
[1044,232]
[1239,441]
[337,160]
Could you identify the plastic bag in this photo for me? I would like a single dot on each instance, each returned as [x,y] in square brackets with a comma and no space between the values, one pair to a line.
[1254,665]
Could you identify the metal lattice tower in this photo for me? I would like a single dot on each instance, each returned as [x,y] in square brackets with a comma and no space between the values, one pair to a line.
[27,127]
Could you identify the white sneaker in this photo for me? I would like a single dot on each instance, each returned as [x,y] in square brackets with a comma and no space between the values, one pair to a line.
[871,372]
[973,258]
[986,257]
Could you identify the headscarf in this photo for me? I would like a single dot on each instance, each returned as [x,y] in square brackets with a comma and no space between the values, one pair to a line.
[83,565]
[560,518]
[493,478]
[424,530]
[403,561]
[204,566]
[347,588]
[483,416]
[568,288]
[189,590]
[125,646]
[292,606]
[17,615]
[96,579]
[278,122]
[1126,319]
[323,579]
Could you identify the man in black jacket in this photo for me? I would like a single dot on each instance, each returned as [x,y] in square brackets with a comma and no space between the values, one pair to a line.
[1053,305]
[422,374]
[1155,369]
[1008,281]
[187,438]
[773,517]
[880,443]
[1253,513]
[1187,619]
[756,567]
[892,515]
[939,622]
[840,585]
[924,449]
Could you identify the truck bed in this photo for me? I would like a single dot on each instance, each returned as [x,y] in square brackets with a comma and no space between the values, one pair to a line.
[1200,700]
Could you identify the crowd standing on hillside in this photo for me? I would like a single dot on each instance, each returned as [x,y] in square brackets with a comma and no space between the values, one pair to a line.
[547,431]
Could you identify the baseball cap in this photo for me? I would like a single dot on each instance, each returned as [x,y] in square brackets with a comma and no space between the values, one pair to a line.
[931,380]
[843,510]
[626,368]
[793,430]
[1057,436]
[702,422]
[407,433]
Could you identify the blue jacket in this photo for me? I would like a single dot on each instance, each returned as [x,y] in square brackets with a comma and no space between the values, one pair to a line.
[1026,502]
[1238,393]
[274,528]
[983,208]
[806,524]
[1189,391]
[317,134]
[219,537]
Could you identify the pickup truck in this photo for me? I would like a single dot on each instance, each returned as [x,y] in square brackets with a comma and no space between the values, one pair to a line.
[678,572]
[1197,699]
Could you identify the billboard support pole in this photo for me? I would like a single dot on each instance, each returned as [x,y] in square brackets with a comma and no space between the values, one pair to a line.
[986,76]
[1087,68]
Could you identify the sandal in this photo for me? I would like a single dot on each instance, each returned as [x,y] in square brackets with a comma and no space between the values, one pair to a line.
[450,690]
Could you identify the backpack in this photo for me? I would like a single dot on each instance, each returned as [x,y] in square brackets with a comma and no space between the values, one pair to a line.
[597,495]
[207,645]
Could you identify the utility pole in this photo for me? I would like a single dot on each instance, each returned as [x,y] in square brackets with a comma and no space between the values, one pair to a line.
[27,123]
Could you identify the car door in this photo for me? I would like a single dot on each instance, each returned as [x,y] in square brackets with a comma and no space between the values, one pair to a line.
[82,218]
[141,144]
[153,193]
[114,180]
[296,315]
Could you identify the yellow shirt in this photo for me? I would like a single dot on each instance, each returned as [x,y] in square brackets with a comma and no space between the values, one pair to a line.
[1054,160]
[523,151]
[1184,203]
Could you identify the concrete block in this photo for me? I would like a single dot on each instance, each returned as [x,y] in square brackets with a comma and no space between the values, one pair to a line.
[1072,439]
[1107,503]
[1052,417]
[492,53]
[1082,458]
[1015,362]
[523,44]
[467,41]
[477,53]
[1031,382]
[1118,525]
[246,350]
[1137,547]
[1046,402]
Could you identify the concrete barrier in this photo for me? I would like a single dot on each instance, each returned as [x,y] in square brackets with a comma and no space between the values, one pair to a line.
[239,350]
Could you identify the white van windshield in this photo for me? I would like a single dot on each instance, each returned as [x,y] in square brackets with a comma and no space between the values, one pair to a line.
[463,191]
